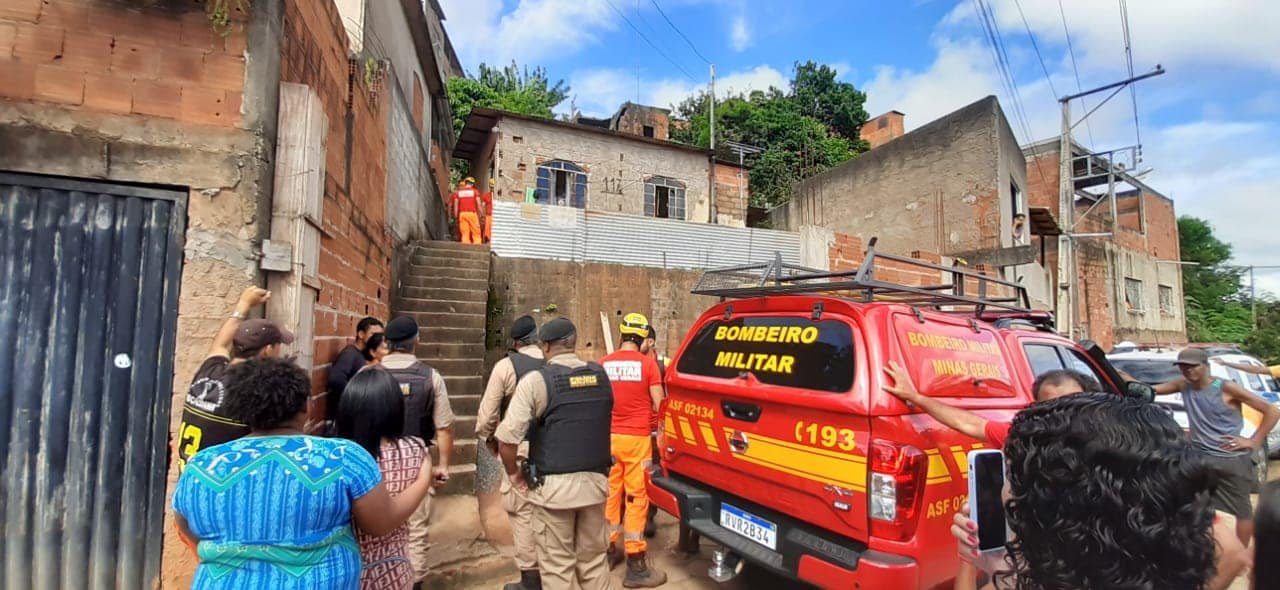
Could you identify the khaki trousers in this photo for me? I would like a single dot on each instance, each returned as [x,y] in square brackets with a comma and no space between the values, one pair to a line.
[571,546]
[520,512]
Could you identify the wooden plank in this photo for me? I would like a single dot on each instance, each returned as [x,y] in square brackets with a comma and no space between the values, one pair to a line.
[296,210]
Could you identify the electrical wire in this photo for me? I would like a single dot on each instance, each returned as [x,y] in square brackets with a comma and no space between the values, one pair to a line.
[1001,58]
[681,33]
[1128,55]
[1036,47]
[1071,51]
[650,43]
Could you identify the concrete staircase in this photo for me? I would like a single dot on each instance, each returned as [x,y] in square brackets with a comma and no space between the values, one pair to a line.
[446,289]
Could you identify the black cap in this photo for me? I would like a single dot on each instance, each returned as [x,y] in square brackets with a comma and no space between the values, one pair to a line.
[257,333]
[556,330]
[523,327]
[401,329]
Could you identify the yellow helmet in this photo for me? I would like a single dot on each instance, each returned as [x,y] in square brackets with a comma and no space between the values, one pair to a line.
[635,324]
[493,182]
[469,180]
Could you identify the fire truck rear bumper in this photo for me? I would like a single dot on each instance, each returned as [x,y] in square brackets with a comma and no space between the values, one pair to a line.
[803,552]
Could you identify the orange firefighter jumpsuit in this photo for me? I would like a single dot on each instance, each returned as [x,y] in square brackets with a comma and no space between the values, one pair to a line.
[463,203]
[632,374]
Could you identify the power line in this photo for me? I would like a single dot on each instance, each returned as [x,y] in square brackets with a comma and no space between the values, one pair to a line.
[1001,57]
[1036,46]
[681,33]
[1128,56]
[1071,50]
[650,43]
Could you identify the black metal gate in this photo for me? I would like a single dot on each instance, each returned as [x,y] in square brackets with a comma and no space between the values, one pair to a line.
[89,277]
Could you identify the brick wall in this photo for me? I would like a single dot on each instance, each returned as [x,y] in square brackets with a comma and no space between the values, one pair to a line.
[882,129]
[107,57]
[636,117]
[355,251]
[732,195]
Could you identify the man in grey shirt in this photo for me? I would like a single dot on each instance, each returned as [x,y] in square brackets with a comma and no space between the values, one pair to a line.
[1214,414]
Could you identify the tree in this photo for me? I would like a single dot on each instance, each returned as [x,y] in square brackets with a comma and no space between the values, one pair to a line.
[1217,311]
[804,130]
[513,89]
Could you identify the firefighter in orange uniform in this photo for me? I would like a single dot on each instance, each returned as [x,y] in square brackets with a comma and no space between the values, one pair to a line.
[487,200]
[464,205]
[637,391]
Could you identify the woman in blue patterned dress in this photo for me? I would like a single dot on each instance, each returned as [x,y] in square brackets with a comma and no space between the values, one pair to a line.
[274,510]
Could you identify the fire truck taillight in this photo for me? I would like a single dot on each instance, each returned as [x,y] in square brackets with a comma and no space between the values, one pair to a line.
[895,488]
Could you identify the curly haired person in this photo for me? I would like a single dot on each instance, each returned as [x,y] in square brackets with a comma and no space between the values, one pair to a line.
[1105,492]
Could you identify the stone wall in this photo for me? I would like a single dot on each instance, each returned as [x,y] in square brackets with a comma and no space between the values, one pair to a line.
[616,165]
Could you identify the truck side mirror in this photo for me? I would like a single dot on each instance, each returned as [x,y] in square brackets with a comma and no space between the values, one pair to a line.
[1139,390]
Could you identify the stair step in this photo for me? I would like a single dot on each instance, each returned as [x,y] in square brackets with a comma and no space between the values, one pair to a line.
[450,350]
[464,404]
[447,272]
[442,306]
[449,245]
[464,427]
[457,367]
[466,284]
[472,335]
[445,293]
[462,480]
[447,320]
[449,259]
[462,385]
[464,452]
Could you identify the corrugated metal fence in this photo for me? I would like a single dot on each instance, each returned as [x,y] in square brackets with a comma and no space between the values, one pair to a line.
[88,311]
[564,233]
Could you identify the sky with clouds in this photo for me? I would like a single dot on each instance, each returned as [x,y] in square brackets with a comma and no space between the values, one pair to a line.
[1210,127]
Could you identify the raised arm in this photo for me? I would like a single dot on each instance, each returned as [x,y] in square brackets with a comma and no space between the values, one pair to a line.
[1245,368]
[249,299]
[955,418]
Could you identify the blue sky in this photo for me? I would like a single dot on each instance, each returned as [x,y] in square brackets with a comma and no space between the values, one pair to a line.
[1210,126]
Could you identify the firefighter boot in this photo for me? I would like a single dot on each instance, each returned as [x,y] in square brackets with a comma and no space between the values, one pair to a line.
[615,556]
[529,580]
[640,575]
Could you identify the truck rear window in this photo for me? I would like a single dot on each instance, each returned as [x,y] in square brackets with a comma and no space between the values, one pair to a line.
[948,359]
[779,350]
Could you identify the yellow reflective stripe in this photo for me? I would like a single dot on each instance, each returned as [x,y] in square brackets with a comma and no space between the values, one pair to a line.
[962,459]
[669,427]
[938,472]
[709,435]
[687,431]
[847,471]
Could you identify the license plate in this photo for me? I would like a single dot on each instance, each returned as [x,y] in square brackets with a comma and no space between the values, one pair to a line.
[749,525]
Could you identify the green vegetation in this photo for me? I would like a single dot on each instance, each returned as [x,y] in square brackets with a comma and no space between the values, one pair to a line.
[808,128]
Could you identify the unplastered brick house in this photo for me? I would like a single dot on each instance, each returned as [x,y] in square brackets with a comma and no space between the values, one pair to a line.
[152,153]
[621,164]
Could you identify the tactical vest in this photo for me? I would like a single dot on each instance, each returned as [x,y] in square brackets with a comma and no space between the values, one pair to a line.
[417,386]
[573,434]
[523,364]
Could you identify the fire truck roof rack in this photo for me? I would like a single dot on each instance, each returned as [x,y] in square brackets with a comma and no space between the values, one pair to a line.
[779,278]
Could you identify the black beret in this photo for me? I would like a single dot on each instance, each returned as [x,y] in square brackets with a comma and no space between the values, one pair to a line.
[556,330]
[401,329]
[523,327]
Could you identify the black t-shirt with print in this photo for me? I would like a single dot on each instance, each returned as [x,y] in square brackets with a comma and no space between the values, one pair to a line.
[204,424]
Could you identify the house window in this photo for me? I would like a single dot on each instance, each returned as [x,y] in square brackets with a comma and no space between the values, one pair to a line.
[1015,196]
[648,131]
[561,183]
[1166,300]
[664,197]
[1133,294]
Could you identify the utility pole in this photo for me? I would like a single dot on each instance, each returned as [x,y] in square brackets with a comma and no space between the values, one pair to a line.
[1066,308]
[711,118]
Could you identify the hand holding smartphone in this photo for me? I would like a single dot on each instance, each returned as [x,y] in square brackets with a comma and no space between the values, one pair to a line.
[986,499]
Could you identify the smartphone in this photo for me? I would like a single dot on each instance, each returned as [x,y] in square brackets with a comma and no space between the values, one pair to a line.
[986,498]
